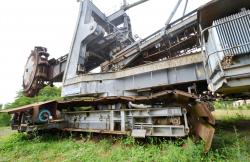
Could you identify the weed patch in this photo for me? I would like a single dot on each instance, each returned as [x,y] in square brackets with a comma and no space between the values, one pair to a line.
[233,146]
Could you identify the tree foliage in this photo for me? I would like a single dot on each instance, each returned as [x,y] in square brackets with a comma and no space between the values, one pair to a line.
[4,118]
[46,94]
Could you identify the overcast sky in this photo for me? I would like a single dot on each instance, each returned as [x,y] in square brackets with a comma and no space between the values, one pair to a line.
[51,23]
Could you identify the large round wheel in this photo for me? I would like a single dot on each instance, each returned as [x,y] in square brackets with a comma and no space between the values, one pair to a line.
[36,71]
[44,115]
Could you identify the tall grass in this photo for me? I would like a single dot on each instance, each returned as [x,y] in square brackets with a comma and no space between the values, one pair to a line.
[228,105]
[226,147]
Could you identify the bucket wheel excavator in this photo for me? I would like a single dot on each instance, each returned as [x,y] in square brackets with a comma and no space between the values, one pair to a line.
[159,86]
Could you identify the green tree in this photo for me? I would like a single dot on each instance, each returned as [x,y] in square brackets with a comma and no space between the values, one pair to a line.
[46,94]
[4,118]
[49,93]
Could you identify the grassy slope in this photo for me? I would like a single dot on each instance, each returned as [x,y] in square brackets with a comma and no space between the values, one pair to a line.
[231,143]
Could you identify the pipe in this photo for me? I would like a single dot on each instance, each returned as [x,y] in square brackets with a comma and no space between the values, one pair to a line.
[172,13]
[138,106]
[128,6]
[185,8]
[124,2]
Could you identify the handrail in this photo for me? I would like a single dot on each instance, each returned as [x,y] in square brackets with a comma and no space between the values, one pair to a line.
[206,55]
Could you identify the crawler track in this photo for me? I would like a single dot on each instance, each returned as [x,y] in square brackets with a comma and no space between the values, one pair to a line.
[169,113]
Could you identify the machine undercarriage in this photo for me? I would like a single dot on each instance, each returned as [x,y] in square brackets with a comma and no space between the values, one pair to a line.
[161,85]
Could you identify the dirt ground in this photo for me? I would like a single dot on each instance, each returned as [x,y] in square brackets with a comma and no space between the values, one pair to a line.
[4,131]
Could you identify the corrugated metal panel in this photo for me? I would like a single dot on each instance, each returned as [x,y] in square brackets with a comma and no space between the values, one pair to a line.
[228,36]
[234,33]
